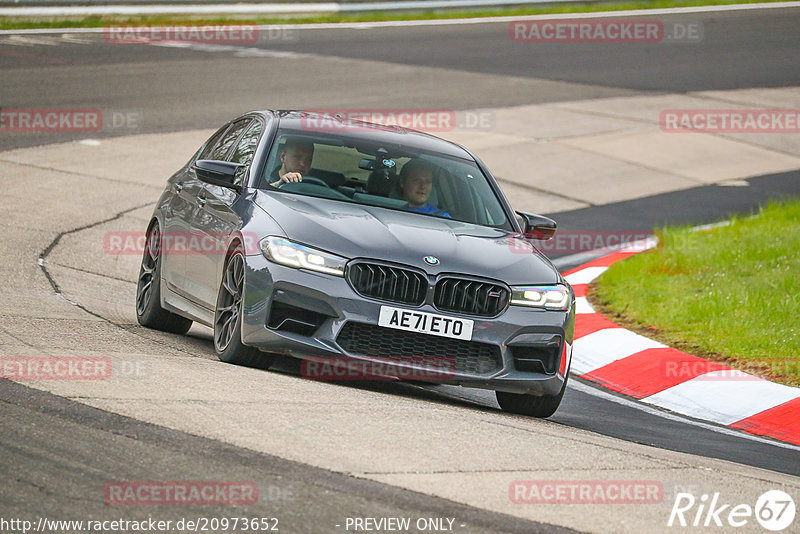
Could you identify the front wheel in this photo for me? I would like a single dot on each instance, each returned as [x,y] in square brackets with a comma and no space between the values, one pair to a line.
[228,318]
[523,404]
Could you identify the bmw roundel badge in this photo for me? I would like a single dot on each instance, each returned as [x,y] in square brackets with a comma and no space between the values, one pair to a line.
[431,260]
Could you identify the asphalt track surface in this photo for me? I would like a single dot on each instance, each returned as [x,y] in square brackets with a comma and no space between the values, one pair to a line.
[734,54]
[59,472]
[454,67]
[458,67]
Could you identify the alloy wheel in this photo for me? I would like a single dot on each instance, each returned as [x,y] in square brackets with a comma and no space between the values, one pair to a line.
[229,302]
[144,288]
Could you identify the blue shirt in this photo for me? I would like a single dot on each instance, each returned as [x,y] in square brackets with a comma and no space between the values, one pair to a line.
[429,209]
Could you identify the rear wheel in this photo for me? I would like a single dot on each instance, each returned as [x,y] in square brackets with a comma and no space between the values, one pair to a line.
[149,312]
[523,404]
[228,318]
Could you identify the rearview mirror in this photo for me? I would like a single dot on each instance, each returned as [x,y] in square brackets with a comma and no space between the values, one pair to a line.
[537,226]
[215,172]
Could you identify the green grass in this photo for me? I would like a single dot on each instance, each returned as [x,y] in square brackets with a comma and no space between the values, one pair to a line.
[731,294]
[11,23]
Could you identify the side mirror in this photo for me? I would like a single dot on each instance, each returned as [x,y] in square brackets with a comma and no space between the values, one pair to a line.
[215,172]
[538,226]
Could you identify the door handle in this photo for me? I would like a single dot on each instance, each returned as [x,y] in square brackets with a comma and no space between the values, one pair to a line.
[177,186]
[201,200]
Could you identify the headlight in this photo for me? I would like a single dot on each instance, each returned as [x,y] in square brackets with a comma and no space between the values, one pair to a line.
[547,297]
[291,254]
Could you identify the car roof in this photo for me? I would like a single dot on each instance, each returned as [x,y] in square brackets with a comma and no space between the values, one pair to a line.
[325,123]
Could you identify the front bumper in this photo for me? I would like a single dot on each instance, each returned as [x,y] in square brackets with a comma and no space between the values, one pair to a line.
[516,338]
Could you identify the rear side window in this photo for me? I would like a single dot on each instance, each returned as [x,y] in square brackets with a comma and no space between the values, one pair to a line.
[223,147]
[246,148]
[211,143]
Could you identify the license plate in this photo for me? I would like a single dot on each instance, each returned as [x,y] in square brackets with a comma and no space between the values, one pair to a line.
[425,323]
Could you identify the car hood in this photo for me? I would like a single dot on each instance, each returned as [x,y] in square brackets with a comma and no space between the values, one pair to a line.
[357,231]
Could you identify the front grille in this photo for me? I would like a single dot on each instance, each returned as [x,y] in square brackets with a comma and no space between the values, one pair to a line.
[388,283]
[372,340]
[470,297]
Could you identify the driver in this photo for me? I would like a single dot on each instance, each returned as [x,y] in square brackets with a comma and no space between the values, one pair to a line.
[296,156]
[416,184]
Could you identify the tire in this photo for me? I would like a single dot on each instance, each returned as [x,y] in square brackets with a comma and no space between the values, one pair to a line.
[149,312]
[541,406]
[228,318]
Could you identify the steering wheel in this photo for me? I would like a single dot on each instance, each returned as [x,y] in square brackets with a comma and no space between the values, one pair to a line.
[308,180]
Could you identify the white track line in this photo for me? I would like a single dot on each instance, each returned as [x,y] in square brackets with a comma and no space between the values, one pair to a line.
[454,22]
[265,8]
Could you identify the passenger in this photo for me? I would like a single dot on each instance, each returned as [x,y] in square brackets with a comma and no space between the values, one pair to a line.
[296,156]
[416,184]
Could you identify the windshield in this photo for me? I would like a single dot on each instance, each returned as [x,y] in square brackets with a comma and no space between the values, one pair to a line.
[394,177]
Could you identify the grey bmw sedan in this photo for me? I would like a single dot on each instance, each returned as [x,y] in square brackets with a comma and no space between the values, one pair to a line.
[365,251]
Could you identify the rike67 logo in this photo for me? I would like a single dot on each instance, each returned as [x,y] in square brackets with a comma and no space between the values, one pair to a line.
[774,510]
